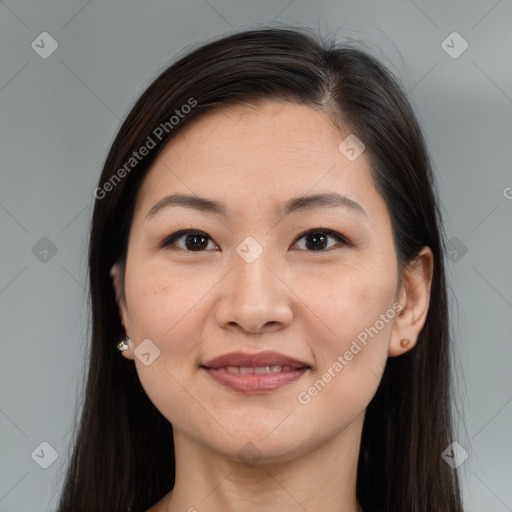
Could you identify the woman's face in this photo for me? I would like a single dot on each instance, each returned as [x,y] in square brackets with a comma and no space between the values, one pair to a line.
[251,281]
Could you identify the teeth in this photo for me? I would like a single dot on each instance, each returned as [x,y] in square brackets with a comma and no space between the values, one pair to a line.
[268,369]
[245,370]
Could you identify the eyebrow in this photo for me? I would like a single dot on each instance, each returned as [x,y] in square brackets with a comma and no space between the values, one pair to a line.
[303,203]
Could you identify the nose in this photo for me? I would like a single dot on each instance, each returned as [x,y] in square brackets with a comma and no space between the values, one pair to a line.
[255,297]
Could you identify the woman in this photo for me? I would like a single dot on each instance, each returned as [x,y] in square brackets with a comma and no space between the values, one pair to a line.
[267,245]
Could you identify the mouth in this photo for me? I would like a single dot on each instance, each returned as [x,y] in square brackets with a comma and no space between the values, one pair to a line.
[255,373]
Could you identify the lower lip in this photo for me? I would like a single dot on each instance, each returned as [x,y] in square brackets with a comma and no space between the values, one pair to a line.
[255,382]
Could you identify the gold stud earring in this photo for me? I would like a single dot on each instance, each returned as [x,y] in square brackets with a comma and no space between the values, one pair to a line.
[404,343]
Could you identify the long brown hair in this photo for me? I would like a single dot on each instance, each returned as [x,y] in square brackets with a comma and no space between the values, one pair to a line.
[122,456]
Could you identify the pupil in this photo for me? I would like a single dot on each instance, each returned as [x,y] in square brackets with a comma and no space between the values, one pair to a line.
[316,244]
[195,244]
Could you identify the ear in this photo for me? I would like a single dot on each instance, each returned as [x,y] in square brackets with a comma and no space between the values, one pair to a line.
[118,284]
[414,297]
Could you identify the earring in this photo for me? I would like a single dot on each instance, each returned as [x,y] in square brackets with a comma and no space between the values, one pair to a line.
[124,344]
[404,343]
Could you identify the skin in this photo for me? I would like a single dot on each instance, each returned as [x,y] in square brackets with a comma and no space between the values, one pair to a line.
[310,305]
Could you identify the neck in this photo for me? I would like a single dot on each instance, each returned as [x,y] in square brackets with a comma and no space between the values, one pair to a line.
[322,478]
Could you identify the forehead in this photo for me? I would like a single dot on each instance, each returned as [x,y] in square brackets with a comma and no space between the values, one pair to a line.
[245,155]
[244,130]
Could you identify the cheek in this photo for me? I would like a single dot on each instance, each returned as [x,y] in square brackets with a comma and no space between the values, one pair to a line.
[352,327]
[348,299]
[350,358]
[159,301]
[161,309]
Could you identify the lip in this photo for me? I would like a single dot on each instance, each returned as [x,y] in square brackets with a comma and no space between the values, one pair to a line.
[254,360]
[255,383]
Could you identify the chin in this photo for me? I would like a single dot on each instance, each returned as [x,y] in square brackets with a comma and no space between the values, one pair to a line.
[261,448]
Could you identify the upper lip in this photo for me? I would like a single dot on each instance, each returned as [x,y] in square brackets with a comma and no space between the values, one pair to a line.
[242,359]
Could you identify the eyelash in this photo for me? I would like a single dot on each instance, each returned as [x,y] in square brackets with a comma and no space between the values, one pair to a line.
[343,241]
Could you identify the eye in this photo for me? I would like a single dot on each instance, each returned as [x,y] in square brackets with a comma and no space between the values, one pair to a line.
[317,239]
[197,241]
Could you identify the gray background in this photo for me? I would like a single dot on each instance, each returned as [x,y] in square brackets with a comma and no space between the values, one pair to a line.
[60,114]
